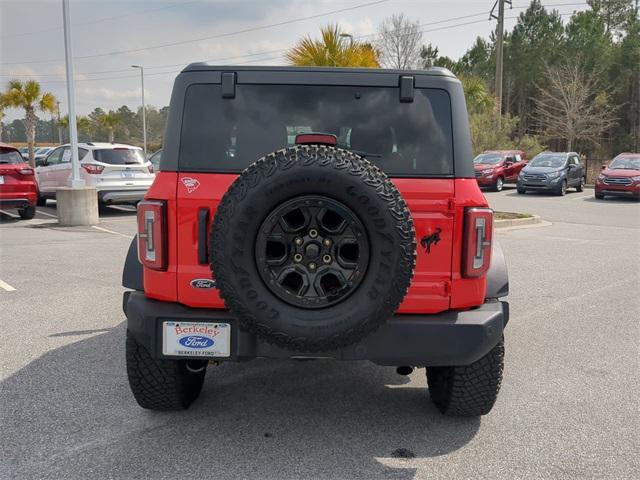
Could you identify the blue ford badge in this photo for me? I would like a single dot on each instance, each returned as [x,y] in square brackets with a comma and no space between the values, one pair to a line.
[196,341]
[203,283]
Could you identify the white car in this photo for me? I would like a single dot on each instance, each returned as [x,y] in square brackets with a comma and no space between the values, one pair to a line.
[119,172]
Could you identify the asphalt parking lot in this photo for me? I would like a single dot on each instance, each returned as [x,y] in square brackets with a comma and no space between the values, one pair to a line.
[568,407]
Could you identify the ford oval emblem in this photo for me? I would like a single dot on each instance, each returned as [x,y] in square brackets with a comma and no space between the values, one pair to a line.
[203,283]
[196,341]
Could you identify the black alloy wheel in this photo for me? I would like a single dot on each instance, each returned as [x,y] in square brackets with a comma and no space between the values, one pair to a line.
[312,251]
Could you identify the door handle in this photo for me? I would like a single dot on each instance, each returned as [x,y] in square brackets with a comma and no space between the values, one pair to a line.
[203,224]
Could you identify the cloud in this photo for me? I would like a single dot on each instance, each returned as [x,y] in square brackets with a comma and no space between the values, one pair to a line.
[101,95]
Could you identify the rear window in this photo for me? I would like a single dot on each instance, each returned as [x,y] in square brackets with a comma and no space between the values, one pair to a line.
[404,139]
[8,155]
[119,156]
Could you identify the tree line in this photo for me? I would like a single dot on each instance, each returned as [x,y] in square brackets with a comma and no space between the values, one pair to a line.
[573,86]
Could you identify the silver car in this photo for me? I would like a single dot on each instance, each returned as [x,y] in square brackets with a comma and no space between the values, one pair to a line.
[119,172]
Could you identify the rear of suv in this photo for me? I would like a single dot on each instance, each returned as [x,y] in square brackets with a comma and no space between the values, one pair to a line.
[18,188]
[316,213]
[120,173]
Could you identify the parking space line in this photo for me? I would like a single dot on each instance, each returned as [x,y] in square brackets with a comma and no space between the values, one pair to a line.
[106,230]
[13,215]
[6,286]
[47,214]
[581,197]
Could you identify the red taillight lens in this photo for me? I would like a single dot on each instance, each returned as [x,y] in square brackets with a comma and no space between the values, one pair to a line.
[152,234]
[93,169]
[478,235]
[26,171]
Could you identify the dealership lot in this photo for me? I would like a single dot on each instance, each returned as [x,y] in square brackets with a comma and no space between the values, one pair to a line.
[568,407]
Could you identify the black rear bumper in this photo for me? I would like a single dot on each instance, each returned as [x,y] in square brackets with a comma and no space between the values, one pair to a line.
[448,338]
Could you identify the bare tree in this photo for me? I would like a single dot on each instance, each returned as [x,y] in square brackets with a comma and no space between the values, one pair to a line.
[572,107]
[399,42]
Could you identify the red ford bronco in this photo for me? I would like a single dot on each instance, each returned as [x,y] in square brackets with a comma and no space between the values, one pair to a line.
[316,213]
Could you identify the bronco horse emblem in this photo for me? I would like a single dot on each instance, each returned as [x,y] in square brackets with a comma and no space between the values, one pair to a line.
[432,239]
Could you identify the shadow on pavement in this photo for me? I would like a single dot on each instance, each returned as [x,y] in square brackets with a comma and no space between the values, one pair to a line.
[69,414]
[611,200]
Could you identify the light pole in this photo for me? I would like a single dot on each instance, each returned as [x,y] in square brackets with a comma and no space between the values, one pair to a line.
[76,181]
[144,110]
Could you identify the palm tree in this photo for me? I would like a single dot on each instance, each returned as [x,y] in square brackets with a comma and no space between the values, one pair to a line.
[477,95]
[82,123]
[3,105]
[110,120]
[28,95]
[332,51]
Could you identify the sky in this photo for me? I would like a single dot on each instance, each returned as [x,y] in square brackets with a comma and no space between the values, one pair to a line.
[108,36]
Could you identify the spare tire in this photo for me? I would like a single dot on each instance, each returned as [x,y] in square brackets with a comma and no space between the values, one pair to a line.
[312,248]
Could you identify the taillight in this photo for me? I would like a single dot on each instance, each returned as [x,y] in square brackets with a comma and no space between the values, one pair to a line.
[152,234]
[92,168]
[478,234]
[26,171]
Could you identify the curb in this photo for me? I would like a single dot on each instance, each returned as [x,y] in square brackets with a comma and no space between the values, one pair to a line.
[517,222]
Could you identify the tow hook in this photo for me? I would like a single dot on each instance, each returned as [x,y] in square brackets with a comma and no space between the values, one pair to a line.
[404,370]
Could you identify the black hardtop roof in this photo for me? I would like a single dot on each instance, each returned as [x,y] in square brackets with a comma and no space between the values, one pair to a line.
[205,67]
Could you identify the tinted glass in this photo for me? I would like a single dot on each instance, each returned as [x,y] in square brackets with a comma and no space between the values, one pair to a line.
[119,156]
[55,156]
[8,155]
[487,158]
[227,135]
[548,160]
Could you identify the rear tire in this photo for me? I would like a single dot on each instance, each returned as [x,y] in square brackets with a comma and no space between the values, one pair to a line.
[42,201]
[580,186]
[471,390]
[27,213]
[162,384]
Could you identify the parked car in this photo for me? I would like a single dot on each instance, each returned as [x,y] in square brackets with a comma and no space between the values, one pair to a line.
[155,160]
[41,153]
[552,172]
[344,241]
[119,172]
[18,188]
[495,168]
[24,151]
[620,178]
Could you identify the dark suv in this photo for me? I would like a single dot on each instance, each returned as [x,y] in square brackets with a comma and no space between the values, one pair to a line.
[552,172]
[316,213]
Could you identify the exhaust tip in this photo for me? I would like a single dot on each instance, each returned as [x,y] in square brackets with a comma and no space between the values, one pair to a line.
[404,370]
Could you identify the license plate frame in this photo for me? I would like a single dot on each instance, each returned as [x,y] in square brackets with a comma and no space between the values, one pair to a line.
[196,339]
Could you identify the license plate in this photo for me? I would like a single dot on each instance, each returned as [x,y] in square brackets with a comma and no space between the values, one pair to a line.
[196,339]
[128,174]
[1,180]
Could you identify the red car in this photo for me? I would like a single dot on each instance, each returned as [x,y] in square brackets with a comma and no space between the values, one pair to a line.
[620,178]
[18,188]
[495,168]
